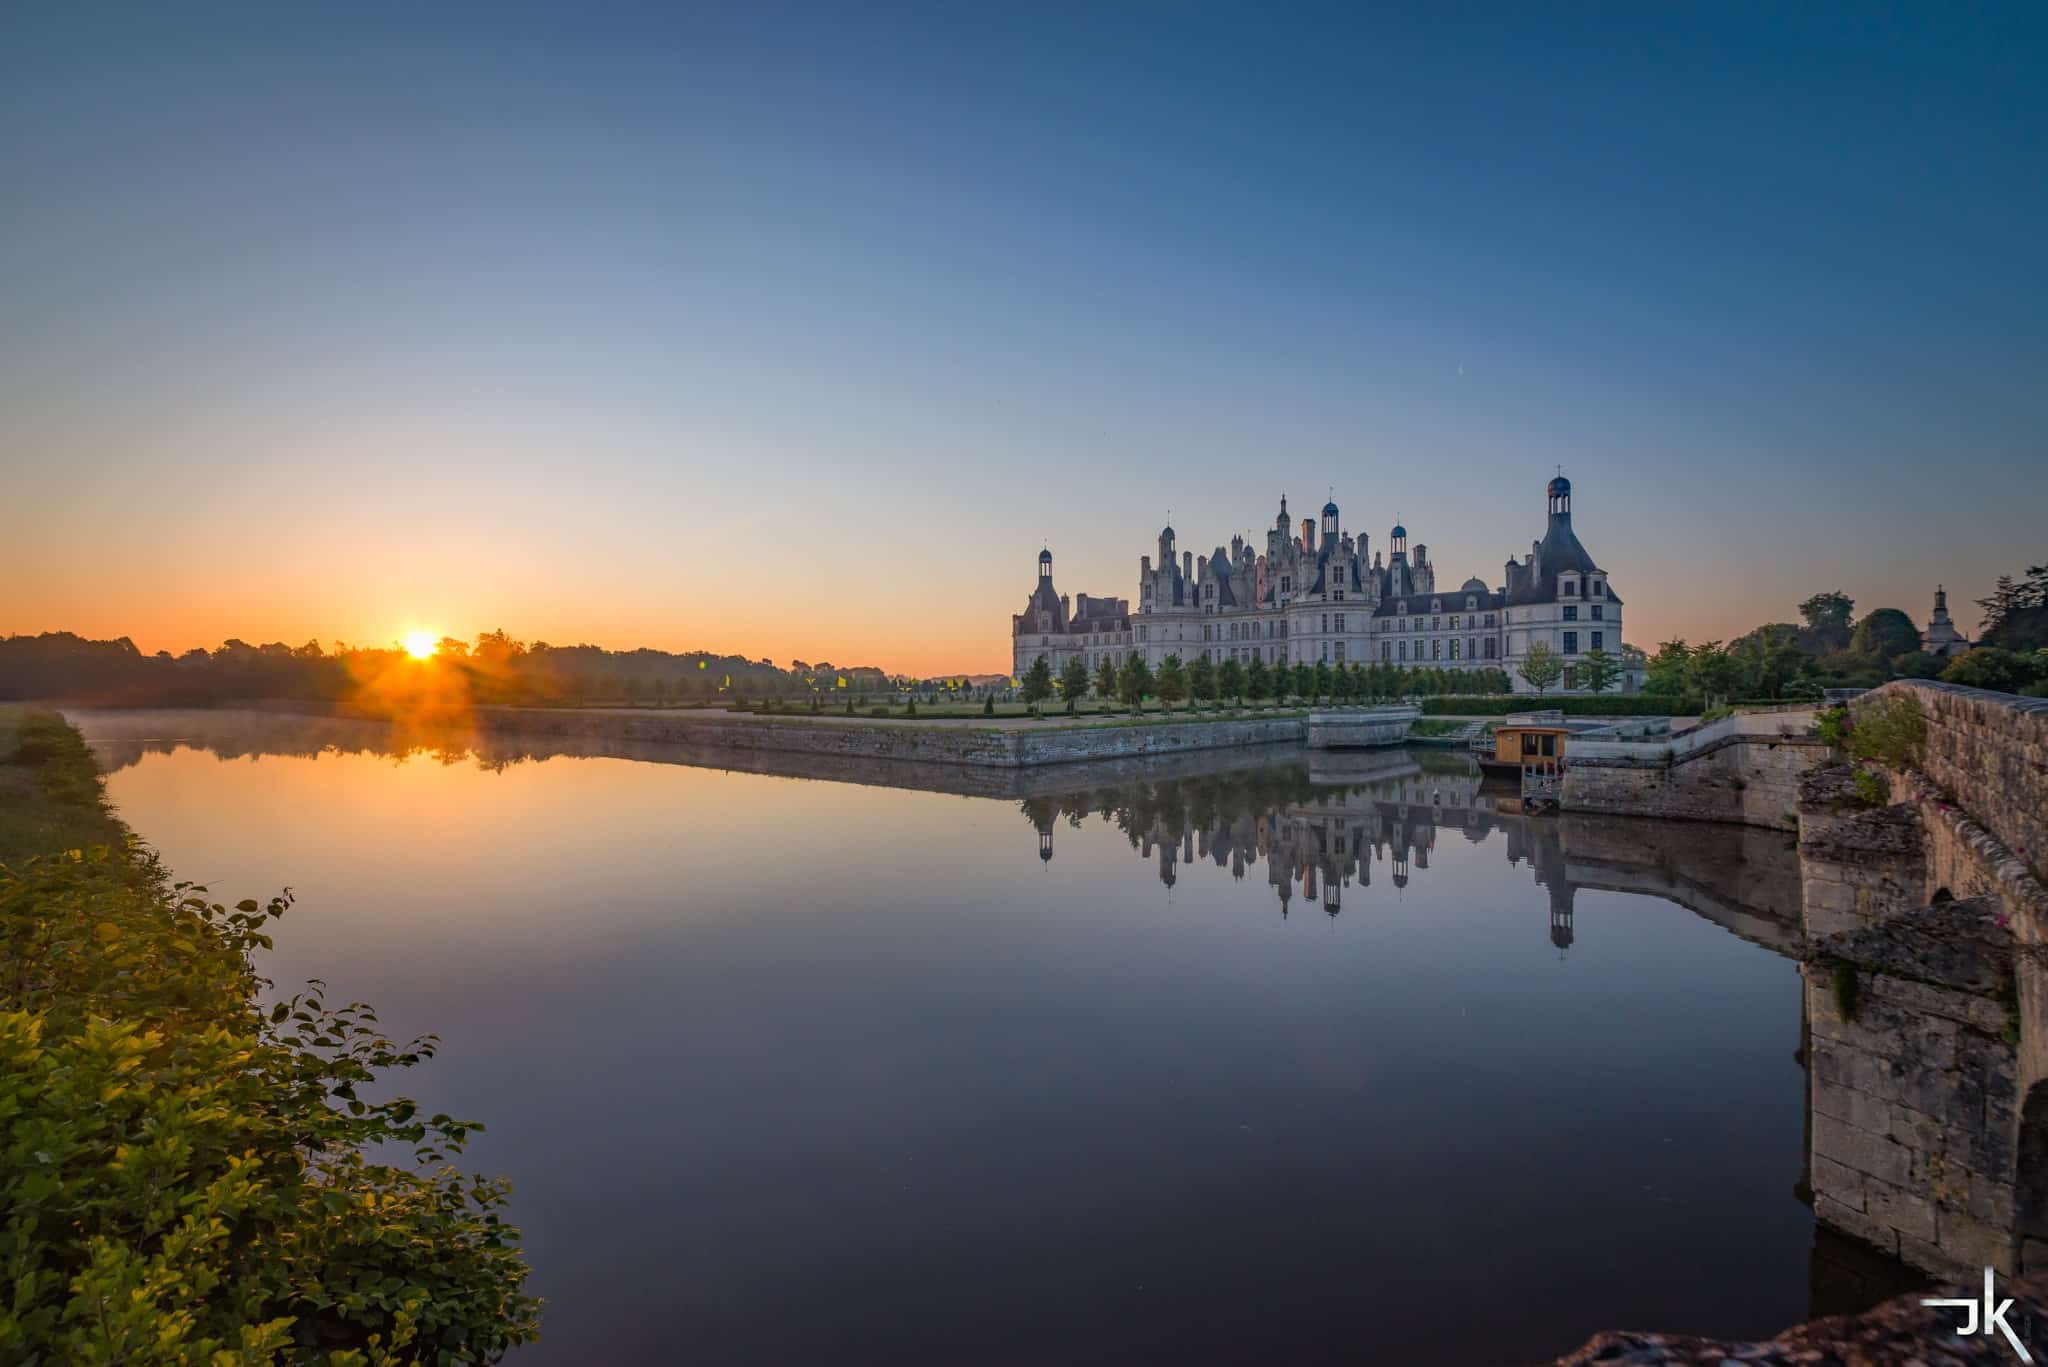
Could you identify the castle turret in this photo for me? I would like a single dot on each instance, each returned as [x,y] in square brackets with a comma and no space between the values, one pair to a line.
[1942,639]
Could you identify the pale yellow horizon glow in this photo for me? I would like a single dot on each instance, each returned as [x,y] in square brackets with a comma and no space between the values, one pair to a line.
[419,644]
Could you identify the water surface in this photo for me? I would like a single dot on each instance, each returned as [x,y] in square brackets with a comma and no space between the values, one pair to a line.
[1266,1060]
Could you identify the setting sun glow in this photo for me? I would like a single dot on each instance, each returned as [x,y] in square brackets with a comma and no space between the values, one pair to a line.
[419,644]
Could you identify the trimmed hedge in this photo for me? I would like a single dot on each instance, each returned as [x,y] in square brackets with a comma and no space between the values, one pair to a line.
[1572,705]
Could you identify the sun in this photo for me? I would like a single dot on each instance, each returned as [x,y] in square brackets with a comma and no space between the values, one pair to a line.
[419,644]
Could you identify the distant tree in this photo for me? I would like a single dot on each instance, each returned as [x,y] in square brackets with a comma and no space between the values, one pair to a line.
[1202,678]
[1074,681]
[1770,660]
[1883,635]
[1598,670]
[1172,683]
[1319,681]
[1917,664]
[1301,680]
[1712,672]
[988,705]
[1230,680]
[1258,680]
[2016,615]
[1037,683]
[1667,670]
[2003,671]
[1106,679]
[1133,681]
[1827,617]
[1541,667]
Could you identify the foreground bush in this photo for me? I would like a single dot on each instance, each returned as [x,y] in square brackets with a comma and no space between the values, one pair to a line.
[185,1178]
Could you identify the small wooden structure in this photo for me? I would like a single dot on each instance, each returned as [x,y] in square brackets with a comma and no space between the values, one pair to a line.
[1522,747]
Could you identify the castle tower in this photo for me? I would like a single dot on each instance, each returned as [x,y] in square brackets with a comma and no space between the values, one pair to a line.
[1942,639]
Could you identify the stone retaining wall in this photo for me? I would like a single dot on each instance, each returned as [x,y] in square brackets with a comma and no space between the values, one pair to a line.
[1735,770]
[1915,1087]
[1989,752]
[1014,747]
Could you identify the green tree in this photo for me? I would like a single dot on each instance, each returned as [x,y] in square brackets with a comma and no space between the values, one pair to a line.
[1258,680]
[1884,635]
[1541,668]
[1074,681]
[1202,679]
[1598,670]
[1230,680]
[1827,617]
[1319,681]
[1038,681]
[1769,661]
[2002,671]
[1712,672]
[1301,680]
[1133,681]
[1667,672]
[1105,679]
[1172,683]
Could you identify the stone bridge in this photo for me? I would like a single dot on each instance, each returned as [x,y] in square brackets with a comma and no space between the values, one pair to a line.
[1927,1000]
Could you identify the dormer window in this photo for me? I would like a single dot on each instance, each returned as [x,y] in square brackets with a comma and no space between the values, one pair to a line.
[1599,588]
[1401,608]
[1568,587]
[1436,605]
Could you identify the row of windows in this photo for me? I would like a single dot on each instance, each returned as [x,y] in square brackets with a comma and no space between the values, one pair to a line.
[1571,612]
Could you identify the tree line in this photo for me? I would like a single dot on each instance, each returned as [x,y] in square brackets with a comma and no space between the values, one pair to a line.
[493,668]
[1202,680]
[1830,647]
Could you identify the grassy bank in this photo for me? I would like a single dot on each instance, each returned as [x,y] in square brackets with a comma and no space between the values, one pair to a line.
[49,789]
[186,1177]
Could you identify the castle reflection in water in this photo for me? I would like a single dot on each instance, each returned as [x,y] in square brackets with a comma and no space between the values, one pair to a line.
[1324,830]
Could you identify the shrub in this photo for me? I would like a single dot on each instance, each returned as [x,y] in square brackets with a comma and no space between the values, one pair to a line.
[1890,729]
[1832,726]
[189,1178]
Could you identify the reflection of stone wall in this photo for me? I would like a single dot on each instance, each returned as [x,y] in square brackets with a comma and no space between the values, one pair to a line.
[1914,1087]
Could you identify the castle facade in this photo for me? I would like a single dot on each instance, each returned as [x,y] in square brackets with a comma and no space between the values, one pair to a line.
[1319,593]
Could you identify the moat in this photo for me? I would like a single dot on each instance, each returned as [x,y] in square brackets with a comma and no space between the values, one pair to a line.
[1246,1055]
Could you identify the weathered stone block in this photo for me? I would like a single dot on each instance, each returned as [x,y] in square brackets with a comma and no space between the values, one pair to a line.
[1975,1243]
[1860,1109]
[1837,1182]
[1862,1226]
[1910,1214]
[1868,1153]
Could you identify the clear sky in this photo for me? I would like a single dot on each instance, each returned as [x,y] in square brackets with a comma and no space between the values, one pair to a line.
[795,331]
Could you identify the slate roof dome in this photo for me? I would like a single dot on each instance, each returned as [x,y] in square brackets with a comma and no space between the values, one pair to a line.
[1474,586]
[1166,532]
[1399,530]
[1045,556]
[1560,487]
[1330,508]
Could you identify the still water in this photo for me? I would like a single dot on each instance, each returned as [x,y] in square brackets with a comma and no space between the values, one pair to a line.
[1253,1058]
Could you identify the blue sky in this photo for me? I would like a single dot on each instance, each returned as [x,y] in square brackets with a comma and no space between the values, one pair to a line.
[795,330]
